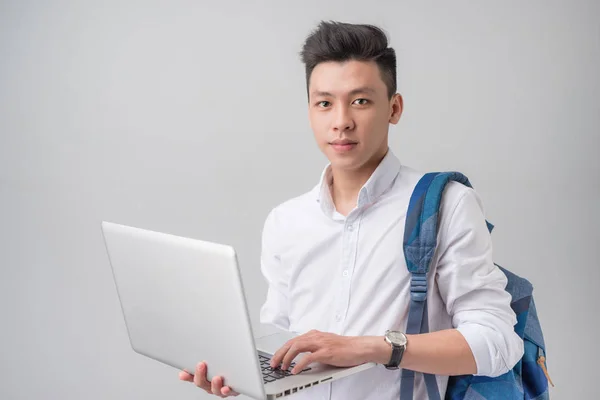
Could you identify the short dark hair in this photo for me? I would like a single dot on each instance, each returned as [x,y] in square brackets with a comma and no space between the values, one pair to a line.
[339,41]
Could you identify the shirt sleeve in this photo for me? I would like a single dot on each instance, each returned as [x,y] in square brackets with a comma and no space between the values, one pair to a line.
[473,288]
[275,308]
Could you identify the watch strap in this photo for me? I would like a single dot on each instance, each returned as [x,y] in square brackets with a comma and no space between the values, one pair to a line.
[397,353]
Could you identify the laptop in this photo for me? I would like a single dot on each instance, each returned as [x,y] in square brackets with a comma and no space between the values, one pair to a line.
[183,302]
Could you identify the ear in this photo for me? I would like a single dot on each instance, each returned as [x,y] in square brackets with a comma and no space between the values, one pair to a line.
[397,105]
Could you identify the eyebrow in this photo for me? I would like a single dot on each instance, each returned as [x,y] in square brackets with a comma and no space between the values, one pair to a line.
[364,89]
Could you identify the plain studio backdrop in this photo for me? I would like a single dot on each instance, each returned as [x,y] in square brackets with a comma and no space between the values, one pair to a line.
[190,117]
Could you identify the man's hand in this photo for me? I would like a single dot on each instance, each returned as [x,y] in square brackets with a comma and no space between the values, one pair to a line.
[328,348]
[199,379]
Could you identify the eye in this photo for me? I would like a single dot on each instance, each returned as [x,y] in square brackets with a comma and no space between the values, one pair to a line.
[360,102]
[323,104]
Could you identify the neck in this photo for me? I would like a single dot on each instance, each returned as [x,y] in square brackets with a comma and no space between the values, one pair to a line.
[347,184]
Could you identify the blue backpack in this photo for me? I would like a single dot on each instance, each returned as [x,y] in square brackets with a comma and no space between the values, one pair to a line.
[529,378]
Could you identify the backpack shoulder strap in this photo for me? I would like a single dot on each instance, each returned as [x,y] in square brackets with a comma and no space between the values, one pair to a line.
[420,231]
[420,239]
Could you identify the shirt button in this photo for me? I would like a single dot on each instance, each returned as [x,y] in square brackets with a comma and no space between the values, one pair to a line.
[345,274]
[338,317]
[350,227]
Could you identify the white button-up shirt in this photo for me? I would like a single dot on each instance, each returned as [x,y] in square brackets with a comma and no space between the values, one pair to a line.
[347,275]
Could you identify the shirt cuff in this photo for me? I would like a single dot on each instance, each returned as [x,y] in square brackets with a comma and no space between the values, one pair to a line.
[487,358]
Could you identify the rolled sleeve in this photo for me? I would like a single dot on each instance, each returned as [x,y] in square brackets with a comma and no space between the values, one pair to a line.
[473,288]
[275,308]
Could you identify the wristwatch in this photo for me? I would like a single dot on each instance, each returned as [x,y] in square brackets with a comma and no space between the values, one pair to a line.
[398,342]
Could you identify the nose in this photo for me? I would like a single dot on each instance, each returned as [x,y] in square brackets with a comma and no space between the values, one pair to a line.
[343,120]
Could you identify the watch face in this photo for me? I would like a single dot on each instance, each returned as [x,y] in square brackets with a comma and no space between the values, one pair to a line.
[397,338]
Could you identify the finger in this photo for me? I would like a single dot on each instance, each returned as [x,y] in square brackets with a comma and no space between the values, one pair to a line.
[200,377]
[279,354]
[307,345]
[305,362]
[227,391]
[292,353]
[186,376]
[217,385]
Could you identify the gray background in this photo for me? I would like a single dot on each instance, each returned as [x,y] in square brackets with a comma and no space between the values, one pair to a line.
[190,118]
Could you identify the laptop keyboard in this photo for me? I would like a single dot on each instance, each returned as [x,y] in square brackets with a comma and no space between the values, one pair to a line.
[272,374]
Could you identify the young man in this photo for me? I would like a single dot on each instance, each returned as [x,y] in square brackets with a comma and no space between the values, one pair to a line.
[333,257]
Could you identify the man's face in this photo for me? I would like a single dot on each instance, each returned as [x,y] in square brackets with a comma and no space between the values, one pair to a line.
[350,112]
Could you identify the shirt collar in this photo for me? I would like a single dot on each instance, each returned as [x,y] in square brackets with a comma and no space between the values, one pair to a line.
[377,184]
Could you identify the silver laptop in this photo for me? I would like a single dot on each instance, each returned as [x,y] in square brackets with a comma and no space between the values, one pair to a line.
[183,302]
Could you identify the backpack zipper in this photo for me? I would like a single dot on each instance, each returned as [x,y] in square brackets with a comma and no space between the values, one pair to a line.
[542,362]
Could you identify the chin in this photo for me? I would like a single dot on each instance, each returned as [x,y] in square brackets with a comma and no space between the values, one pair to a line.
[345,162]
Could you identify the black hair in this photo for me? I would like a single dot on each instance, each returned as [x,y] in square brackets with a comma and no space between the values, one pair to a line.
[339,41]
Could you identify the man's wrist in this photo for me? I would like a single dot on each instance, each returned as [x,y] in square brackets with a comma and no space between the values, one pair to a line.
[376,349]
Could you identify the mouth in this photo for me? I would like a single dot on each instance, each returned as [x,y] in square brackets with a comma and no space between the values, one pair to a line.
[342,146]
